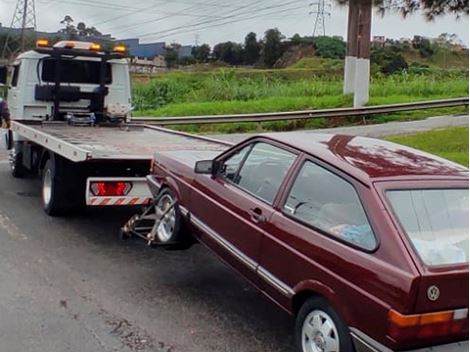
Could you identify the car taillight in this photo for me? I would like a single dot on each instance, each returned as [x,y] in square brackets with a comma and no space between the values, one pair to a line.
[110,188]
[409,327]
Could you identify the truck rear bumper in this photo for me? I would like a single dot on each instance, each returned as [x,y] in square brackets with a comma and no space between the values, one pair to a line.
[139,193]
[364,343]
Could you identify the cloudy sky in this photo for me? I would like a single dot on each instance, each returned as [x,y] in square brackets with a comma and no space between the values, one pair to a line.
[212,21]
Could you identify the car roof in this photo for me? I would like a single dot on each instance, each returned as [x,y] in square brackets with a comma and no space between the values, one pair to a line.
[368,159]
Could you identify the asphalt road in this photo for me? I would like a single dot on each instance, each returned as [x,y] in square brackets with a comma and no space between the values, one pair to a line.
[72,285]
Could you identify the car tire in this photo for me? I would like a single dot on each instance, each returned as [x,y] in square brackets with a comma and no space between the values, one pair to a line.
[171,233]
[62,189]
[16,161]
[318,327]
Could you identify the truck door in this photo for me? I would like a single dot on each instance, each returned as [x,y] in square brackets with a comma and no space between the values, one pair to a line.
[14,94]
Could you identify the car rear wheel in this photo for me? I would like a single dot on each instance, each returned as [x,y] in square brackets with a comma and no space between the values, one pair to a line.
[318,328]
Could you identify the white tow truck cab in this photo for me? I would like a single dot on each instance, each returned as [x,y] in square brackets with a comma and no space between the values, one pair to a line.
[70,110]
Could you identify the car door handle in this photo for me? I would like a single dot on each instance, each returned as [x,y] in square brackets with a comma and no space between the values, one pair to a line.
[256,215]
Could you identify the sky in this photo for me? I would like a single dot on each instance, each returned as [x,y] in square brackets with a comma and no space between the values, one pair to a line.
[213,21]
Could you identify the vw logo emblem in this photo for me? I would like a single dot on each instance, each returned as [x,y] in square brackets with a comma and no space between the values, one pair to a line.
[433,293]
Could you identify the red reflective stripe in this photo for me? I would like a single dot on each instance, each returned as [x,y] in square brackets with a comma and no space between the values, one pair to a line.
[119,201]
[133,201]
[92,201]
[105,201]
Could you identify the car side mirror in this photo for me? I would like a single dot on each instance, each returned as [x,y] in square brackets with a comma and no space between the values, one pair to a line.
[3,75]
[208,167]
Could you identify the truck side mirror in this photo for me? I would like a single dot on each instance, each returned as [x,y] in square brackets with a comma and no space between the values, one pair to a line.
[3,75]
[208,167]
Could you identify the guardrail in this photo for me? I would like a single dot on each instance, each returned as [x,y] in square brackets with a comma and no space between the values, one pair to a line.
[305,114]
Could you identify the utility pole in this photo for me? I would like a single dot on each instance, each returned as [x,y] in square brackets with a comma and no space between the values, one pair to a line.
[357,61]
[22,24]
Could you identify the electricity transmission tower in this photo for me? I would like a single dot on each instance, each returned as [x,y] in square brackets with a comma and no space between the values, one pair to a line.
[321,11]
[22,28]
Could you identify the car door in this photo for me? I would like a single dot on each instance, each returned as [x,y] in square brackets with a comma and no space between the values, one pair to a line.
[14,94]
[231,208]
[319,224]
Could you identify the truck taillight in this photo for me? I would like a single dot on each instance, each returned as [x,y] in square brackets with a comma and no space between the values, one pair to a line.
[110,188]
[438,324]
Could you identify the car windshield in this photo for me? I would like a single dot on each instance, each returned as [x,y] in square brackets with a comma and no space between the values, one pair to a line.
[436,221]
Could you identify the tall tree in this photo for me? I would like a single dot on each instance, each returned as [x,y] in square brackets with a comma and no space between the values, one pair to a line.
[229,52]
[252,49]
[69,28]
[272,48]
[201,53]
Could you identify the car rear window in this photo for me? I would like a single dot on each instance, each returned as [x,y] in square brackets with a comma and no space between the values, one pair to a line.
[329,203]
[436,222]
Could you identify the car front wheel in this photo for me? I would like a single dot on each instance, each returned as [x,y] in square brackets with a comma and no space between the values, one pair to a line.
[318,328]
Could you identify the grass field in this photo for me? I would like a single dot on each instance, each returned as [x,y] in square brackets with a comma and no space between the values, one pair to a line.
[243,91]
[450,143]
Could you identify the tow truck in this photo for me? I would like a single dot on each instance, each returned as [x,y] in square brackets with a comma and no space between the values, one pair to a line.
[71,124]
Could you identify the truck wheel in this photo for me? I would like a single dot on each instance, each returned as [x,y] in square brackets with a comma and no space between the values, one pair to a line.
[170,233]
[60,188]
[319,328]
[16,161]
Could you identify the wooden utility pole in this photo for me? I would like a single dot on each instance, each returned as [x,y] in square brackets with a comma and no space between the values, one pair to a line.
[361,91]
[357,61]
[351,49]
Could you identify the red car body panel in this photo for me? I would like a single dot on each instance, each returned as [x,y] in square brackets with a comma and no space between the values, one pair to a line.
[287,259]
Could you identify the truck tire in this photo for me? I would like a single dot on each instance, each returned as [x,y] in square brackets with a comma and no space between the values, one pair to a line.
[16,161]
[62,189]
[318,327]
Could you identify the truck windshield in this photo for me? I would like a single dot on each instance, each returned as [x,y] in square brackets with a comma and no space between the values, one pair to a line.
[75,71]
[436,221]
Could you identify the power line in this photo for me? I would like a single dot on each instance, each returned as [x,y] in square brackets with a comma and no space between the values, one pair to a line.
[237,20]
[232,16]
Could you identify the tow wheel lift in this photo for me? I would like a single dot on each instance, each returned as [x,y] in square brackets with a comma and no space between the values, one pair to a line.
[146,225]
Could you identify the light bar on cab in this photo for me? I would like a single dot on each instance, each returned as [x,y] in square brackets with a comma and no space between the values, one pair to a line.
[120,49]
[42,43]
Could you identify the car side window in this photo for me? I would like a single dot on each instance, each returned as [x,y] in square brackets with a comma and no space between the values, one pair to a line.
[329,203]
[233,163]
[263,170]
[16,73]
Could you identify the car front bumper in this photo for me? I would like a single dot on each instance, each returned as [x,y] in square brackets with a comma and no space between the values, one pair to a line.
[364,343]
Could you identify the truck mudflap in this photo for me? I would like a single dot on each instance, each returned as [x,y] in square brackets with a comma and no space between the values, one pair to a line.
[117,191]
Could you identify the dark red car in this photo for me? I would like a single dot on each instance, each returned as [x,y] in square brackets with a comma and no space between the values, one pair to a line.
[364,241]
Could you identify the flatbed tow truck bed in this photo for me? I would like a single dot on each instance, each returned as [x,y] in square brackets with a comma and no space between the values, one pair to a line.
[126,142]
[107,164]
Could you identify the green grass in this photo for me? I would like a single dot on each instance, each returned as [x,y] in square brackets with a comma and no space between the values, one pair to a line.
[450,143]
[257,91]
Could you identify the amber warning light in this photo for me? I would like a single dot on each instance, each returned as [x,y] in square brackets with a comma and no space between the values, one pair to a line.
[42,43]
[121,49]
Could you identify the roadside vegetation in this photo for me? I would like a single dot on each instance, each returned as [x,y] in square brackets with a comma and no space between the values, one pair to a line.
[450,143]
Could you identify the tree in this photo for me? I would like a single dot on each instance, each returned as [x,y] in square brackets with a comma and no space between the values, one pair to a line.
[272,48]
[69,28]
[329,47]
[423,45]
[201,53]
[430,8]
[171,56]
[229,52]
[389,60]
[252,49]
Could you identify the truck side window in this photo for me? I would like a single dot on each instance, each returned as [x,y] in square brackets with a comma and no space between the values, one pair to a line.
[329,203]
[16,73]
